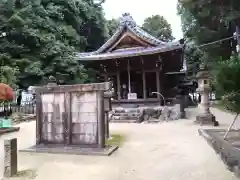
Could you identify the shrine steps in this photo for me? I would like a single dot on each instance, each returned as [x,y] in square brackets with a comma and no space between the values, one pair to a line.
[126,115]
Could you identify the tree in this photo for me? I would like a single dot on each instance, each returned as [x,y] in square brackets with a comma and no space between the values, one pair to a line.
[210,20]
[43,36]
[112,26]
[192,57]
[8,75]
[159,27]
[227,83]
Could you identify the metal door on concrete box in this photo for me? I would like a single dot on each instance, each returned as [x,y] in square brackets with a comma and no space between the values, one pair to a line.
[53,121]
[84,118]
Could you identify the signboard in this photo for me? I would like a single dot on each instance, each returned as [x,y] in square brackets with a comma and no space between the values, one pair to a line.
[132,95]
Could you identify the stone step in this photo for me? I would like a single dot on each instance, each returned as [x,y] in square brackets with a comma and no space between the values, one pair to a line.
[125,117]
[126,110]
[124,121]
[152,121]
[126,114]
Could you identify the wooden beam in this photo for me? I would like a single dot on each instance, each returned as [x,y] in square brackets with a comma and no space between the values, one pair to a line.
[133,37]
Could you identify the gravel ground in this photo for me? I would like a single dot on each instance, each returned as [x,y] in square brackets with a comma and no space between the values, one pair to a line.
[165,151]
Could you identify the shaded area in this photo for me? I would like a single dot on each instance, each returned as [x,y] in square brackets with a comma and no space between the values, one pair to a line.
[8,130]
[229,149]
[76,150]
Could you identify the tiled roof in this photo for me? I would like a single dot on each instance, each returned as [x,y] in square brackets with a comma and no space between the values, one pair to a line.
[127,22]
[129,52]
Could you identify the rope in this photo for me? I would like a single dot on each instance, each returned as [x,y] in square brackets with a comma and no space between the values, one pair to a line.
[214,42]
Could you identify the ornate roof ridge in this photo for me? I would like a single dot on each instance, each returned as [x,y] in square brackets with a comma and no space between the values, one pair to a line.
[127,21]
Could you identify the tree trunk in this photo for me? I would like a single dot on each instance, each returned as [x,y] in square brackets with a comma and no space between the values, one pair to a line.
[230,127]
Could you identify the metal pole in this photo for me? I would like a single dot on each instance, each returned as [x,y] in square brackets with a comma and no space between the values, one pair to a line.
[164,102]
[230,127]
[129,77]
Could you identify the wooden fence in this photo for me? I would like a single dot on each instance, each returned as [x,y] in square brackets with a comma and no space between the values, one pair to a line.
[26,108]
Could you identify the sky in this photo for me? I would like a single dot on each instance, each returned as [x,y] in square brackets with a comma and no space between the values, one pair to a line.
[141,9]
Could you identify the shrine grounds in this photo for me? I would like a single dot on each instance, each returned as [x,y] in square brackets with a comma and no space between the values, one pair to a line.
[165,151]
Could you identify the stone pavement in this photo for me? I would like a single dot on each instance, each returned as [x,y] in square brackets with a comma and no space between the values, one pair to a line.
[165,151]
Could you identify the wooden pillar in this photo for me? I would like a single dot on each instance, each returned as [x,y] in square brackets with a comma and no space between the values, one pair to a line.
[144,84]
[118,85]
[129,77]
[158,83]
[144,79]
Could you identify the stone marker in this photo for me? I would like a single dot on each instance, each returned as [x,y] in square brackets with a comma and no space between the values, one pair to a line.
[10,158]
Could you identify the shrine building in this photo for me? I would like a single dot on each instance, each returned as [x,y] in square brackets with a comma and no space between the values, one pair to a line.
[137,63]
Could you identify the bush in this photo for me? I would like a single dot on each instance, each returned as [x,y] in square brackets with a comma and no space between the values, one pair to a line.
[227,76]
[227,83]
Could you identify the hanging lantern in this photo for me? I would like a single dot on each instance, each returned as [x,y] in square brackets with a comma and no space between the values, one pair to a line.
[117,63]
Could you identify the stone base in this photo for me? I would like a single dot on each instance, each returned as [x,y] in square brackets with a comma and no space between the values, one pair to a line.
[229,150]
[206,119]
[8,130]
[124,121]
[182,115]
[76,150]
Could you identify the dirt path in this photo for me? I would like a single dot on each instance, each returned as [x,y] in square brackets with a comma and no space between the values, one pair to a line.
[166,151]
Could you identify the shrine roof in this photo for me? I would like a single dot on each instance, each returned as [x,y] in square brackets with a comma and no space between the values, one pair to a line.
[127,24]
[127,52]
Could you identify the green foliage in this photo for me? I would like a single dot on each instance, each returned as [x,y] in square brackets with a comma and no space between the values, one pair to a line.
[210,20]
[112,26]
[116,140]
[192,57]
[43,35]
[228,84]
[231,102]
[159,27]
[8,76]
[155,25]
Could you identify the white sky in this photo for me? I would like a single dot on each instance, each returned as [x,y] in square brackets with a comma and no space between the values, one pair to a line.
[141,9]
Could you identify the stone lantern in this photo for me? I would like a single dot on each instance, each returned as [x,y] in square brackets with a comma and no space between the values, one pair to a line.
[204,116]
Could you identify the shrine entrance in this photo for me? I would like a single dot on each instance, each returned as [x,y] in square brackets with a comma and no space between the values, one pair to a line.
[143,83]
[135,85]
[151,84]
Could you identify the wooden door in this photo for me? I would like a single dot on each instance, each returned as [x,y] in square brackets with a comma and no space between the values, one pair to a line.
[53,122]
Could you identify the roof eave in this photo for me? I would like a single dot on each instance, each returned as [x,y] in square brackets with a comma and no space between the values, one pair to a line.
[141,53]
